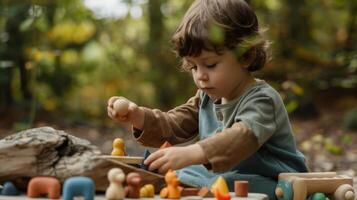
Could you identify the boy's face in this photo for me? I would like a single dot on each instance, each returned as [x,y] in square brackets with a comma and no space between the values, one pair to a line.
[220,76]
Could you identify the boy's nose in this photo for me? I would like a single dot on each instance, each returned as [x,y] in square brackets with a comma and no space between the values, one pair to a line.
[201,75]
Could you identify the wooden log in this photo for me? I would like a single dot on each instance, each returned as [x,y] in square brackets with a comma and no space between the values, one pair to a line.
[48,152]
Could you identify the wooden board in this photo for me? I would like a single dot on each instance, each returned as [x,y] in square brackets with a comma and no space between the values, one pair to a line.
[251,196]
[147,177]
[124,159]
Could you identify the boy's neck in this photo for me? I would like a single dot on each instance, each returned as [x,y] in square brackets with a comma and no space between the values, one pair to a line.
[250,81]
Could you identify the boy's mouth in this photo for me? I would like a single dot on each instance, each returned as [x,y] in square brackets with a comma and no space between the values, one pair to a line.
[207,89]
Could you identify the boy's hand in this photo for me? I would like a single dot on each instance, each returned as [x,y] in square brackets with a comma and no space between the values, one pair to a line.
[122,110]
[175,158]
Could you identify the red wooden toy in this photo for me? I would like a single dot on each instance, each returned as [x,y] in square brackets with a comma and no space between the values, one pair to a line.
[41,186]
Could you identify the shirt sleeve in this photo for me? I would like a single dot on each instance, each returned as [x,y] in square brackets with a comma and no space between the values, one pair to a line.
[228,148]
[258,114]
[175,126]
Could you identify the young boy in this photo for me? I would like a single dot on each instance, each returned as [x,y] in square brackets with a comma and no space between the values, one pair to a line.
[241,122]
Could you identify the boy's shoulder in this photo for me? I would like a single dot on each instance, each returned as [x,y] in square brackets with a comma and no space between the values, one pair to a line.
[260,89]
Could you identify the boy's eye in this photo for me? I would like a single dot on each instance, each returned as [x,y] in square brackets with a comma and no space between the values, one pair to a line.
[211,66]
[193,67]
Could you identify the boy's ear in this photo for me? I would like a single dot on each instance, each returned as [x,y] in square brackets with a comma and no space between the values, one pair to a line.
[245,56]
[248,57]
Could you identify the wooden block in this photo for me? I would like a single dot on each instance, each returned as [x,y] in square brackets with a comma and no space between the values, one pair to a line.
[190,192]
[241,188]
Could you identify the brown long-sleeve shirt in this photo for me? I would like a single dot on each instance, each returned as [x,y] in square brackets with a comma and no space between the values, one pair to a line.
[224,150]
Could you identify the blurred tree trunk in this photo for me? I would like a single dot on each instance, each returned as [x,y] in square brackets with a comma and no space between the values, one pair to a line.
[351,42]
[14,51]
[159,66]
[295,27]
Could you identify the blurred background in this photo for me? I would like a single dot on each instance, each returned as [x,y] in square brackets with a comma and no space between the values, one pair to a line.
[61,60]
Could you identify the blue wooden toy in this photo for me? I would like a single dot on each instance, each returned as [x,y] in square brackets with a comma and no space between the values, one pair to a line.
[9,189]
[78,186]
[146,154]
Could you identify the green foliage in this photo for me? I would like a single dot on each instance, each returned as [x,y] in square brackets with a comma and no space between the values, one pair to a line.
[350,120]
[74,61]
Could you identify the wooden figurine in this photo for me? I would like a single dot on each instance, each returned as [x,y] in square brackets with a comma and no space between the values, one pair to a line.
[297,186]
[172,190]
[121,106]
[147,191]
[44,186]
[133,181]
[115,191]
[165,145]
[118,147]
[205,192]
[219,196]
[220,185]
[241,188]
[78,186]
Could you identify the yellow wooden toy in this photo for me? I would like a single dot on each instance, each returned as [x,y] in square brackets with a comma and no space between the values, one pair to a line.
[147,191]
[118,147]
[220,185]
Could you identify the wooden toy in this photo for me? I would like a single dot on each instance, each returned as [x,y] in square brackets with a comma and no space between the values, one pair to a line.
[116,178]
[297,186]
[44,186]
[9,189]
[189,192]
[205,192]
[146,154]
[219,196]
[220,185]
[133,181]
[317,196]
[172,190]
[241,188]
[118,147]
[78,186]
[121,106]
[147,191]
[165,145]
[147,177]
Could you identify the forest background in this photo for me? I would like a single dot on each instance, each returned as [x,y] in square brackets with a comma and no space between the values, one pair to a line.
[61,60]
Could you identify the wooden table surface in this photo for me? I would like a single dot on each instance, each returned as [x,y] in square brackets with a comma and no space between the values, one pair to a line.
[251,196]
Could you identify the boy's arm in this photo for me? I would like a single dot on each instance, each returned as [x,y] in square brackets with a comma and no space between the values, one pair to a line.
[175,126]
[229,147]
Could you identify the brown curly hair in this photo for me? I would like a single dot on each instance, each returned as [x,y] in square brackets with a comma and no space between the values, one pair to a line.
[234,19]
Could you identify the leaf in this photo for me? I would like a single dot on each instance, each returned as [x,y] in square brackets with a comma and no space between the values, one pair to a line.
[25,25]
[216,34]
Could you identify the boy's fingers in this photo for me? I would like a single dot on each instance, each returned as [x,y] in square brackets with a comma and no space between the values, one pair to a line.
[164,168]
[112,100]
[156,164]
[157,154]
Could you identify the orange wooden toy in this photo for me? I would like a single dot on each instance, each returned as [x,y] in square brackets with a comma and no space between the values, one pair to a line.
[172,190]
[41,186]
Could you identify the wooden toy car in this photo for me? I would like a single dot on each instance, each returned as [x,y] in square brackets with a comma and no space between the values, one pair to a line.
[298,186]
